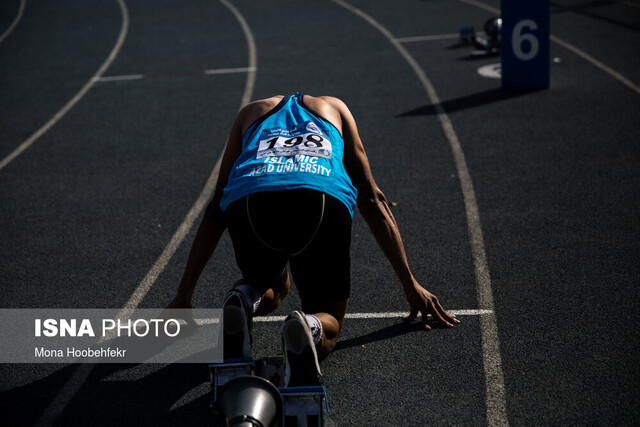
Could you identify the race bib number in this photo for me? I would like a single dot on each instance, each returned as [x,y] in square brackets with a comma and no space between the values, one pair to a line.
[304,139]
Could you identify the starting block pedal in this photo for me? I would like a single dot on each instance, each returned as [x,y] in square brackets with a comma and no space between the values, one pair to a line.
[304,406]
[301,406]
[222,373]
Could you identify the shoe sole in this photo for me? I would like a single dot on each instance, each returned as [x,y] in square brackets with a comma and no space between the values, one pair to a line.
[234,320]
[235,328]
[302,359]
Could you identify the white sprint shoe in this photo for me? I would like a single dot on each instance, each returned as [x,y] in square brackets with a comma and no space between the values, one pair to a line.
[301,359]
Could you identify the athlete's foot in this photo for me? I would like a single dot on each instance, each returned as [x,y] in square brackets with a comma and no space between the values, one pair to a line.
[301,360]
[238,326]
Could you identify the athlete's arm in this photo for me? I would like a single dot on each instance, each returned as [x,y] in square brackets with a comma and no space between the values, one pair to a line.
[374,208]
[213,224]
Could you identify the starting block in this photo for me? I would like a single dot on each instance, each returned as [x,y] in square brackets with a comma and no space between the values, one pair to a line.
[222,373]
[467,35]
[301,406]
[304,406]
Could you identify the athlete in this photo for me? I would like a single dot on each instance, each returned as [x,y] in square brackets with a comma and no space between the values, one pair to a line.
[293,171]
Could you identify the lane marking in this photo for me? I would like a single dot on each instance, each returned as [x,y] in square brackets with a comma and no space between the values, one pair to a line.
[152,275]
[118,78]
[481,5]
[195,393]
[69,105]
[384,315]
[427,38]
[494,378]
[253,56]
[622,79]
[15,22]
[434,37]
[491,71]
[177,74]
[136,373]
[357,316]
[81,374]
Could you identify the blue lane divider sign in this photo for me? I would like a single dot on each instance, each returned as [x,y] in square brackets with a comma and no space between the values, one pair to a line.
[525,44]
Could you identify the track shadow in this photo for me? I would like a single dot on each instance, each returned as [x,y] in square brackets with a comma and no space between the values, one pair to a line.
[392,331]
[110,396]
[467,102]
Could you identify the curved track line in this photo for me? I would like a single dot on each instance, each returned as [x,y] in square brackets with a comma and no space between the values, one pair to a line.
[253,56]
[210,185]
[622,79]
[81,374]
[613,73]
[69,105]
[17,19]
[495,393]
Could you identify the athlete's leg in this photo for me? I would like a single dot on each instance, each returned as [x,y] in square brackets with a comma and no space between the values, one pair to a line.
[322,274]
[263,269]
[331,319]
[271,298]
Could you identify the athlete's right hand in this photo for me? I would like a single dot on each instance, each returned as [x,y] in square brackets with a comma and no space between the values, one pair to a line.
[180,308]
[422,301]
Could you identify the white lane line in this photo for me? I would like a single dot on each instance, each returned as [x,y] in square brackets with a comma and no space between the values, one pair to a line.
[481,5]
[182,231]
[253,56]
[229,71]
[195,393]
[209,72]
[427,38]
[494,379]
[622,79]
[613,73]
[119,78]
[60,114]
[81,374]
[17,19]
[358,316]
[383,315]
[434,37]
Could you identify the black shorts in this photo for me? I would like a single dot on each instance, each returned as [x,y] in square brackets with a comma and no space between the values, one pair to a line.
[309,229]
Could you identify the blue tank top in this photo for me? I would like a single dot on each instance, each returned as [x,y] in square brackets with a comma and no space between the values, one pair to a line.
[290,148]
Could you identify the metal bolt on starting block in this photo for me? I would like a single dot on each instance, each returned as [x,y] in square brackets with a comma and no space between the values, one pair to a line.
[222,373]
[304,406]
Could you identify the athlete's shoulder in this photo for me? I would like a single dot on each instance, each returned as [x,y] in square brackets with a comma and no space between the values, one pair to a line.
[329,107]
[324,102]
[256,109]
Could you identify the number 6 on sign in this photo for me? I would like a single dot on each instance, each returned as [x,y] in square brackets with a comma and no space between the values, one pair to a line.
[518,40]
[525,44]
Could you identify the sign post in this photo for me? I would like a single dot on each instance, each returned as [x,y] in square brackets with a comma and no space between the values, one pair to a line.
[525,44]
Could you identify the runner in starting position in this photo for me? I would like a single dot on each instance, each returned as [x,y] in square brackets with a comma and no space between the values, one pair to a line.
[292,173]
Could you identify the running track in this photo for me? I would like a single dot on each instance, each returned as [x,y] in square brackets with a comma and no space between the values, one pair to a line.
[519,210]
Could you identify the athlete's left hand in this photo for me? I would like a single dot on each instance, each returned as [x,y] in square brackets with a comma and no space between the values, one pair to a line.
[422,301]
